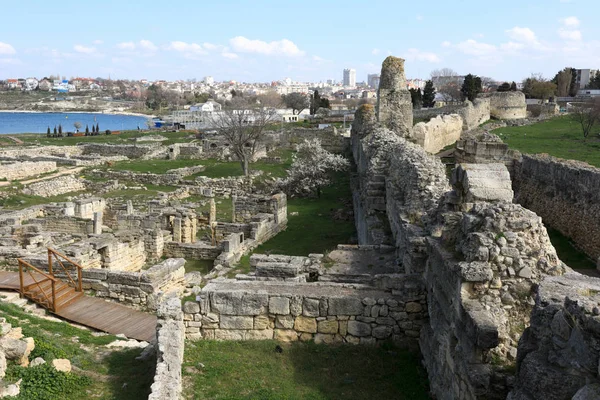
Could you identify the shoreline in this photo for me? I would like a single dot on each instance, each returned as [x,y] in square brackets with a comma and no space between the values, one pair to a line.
[79,112]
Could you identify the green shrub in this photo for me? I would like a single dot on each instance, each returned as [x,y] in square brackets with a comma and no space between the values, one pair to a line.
[43,382]
[47,351]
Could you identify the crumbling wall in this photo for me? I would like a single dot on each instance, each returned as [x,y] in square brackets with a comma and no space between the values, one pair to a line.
[246,207]
[143,151]
[566,194]
[438,133]
[170,343]
[508,105]
[191,251]
[21,170]
[394,104]
[55,186]
[559,354]
[474,113]
[544,110]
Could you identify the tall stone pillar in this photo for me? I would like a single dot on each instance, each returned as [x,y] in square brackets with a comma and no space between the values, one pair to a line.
[97,222]
[212,216]
[177,230]
[394,105]
[233,200]
[129,207]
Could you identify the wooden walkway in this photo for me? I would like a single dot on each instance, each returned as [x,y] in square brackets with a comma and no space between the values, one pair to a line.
[96,313]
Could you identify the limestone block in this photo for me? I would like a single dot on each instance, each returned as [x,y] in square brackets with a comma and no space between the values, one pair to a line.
[229,334]
[2,365]
[279,305]
[330,327]
[305,324]
[239,303]
[310,307]
[62,364]
[284,322]
[345,306]
[265,334]
[359,329]
[381,332]
[191,307]
[37,361]
[285,335]
[261,322]
[482,182]
[236,322]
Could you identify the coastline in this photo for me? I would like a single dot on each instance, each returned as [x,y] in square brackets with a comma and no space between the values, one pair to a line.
[79,112]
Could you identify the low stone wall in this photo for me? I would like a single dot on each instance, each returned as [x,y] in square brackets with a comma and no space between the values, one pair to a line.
[191,251]
[55,186]
[21,170]
[473,113]
[508,105]
[133,151]
[246,207]
[558,354]
[543,110]
[13,218]
[73,226]
[438,133]
[566,194]
[138,289]
[485,148]
[170,343]
[325,313]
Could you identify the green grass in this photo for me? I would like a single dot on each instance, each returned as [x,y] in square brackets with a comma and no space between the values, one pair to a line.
[204,266]
[139,194]
[313,230]
[17,200]
[223,207]
[254,370]
[560,137]
[568,253]
[87,352]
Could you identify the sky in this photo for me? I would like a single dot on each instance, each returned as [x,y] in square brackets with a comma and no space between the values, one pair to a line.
[264,40]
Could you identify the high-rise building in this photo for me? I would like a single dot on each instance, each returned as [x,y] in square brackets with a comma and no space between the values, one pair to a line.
[373,80]
[349,77]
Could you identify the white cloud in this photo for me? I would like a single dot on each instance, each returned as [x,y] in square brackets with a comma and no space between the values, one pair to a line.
[525,35]
[126,46]
[475,48]
[210,46]
[446,43]
[574,35]
[571,22]
[98,41]
[283,47]
[148,45]
[229,55]
[6,48]
[83,49]
[187,48]
[417,55]
[375,51]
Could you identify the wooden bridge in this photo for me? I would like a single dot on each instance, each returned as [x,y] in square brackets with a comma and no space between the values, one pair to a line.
[67,300]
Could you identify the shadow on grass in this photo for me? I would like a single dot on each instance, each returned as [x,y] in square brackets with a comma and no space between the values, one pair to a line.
[133,377]
[254,370]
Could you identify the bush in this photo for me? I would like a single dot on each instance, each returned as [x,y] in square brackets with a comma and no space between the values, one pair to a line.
[47,351]
[108,132]
[43,382]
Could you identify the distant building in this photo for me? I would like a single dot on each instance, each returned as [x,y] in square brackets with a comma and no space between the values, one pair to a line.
[31,84]
[373,80]
[209,106]
[584,76]
[293,88]
[13,84]
[209,80]
[45,84]
[350,77]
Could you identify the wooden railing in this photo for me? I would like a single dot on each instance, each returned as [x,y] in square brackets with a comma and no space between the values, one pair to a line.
[53,254]
[38,277]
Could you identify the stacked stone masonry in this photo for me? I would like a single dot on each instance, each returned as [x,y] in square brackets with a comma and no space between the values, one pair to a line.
[22,170]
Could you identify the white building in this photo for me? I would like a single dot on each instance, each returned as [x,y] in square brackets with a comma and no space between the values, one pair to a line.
[209,80]
[293,88]
[584,76]
[31,84]
[350,77]
[373,80]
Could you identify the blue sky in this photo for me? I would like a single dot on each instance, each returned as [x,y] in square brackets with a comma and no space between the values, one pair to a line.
[260,41]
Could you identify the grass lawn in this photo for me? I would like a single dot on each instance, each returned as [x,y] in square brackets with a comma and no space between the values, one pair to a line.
[568,253]
[254,370]
[560,137]
[203,266]
[107,373]
[312,230]
[16,200]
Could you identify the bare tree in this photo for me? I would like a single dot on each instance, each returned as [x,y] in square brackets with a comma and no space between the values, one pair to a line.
[243,128]
[563,80]
[270,99]
[587,114]
[298,102]
[447,83]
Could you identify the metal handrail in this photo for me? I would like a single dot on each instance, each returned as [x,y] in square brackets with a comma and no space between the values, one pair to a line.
[58,256]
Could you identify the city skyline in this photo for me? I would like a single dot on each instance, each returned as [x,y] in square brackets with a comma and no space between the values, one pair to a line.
[262,42]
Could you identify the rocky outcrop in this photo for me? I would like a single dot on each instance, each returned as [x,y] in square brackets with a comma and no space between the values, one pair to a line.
[394,105]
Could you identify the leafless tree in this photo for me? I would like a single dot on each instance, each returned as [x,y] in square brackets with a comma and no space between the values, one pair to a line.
[587,114]
[243,128]
[447,83]
[564,82]
[270,99]
[298,102]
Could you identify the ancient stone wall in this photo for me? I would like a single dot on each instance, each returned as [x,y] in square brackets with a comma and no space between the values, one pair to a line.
[170,343]
[508,105]
[191,251]
[143,151]
[137,289]
[485,148]
[38,151]
[559,354]
[325,313]
[438,133]
[246,207]
[475,113]
[21,170]
[55,186]
[394,104]
[13,218]
[566,194]
[63,224]
[545,110]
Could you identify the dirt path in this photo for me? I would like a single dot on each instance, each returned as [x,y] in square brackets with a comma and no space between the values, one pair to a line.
[67,171]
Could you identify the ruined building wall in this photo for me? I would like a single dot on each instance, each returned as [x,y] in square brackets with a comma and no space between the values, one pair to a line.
[473,113]
[508,105]
[55,186]
[438,133]
[145,151]
[21,170]
[566,194]
[394,104]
